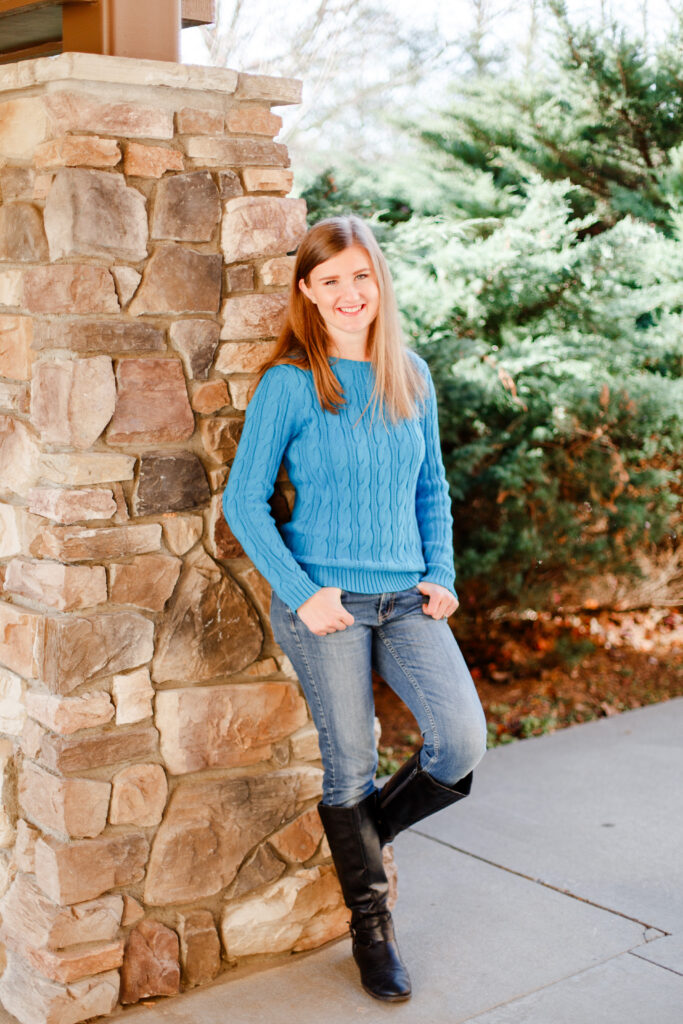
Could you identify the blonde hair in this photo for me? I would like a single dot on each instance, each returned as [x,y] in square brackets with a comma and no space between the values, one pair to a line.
[399,385]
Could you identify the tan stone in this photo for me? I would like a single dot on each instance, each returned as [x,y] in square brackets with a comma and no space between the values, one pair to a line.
[253,121]
[74,807]
[78,648]
[220,436]
[179,280]
[253,316]
[196,341]
[225,726]
[261,226]
[210,397]
[229,184]
[41,186]
[72,965]
[12,705]
[241,391]
[267,179]
[32,738]
[242,356]
[73,400]
[77,544]
[269,89]
[127,280]
[263,668]
[23,126]
[170,482]
[11,287]
[21,233]
[139,795]
[33,999]
[65,715]
[186,208]
[81,753]
[86,468]
[222,542]
[122,514]
[16,333]
[151,161]
[277,272]
[151,965]
[133,696]
[218,478]
[70,507]
[260,869]
[181,532]
[15,397]
[65,587]
[298,912]
[7,815]
[209,629]
[392,875]
[25,846]
[86,868]
[305,745]
[191,121]
[200,947]
[152,404]
[16,183]
[21,640]
[19,457]
[132,911]
[299,840]
[10,540]
[80,112]
[69,288]
[240,277]
[148,581]
[78,151]
[236,152]
[111,337]
[210,825]
[29,918]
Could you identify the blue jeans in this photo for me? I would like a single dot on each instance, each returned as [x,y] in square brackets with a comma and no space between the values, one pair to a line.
[418,657]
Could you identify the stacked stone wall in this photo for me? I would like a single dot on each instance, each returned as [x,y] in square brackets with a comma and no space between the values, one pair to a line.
[158,769]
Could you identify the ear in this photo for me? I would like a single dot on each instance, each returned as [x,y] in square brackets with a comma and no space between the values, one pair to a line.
[307,291]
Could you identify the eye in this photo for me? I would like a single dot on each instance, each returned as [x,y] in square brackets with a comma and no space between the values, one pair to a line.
[363,274]
[332,280]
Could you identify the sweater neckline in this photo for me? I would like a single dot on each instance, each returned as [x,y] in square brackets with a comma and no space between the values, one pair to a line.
[341,359]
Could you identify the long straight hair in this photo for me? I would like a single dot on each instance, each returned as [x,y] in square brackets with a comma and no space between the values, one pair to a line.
[303,341]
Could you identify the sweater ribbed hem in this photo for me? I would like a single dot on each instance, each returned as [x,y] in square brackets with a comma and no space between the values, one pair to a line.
[361,581]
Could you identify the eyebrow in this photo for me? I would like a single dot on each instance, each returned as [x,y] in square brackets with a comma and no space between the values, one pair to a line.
[332,277]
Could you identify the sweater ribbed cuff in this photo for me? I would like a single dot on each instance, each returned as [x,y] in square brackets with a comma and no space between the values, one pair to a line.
[299,591]
[444,577]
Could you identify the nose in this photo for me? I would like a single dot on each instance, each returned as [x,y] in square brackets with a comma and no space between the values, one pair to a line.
[351,293]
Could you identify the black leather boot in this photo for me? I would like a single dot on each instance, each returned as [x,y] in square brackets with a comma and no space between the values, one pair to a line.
[357,855]
[412,794]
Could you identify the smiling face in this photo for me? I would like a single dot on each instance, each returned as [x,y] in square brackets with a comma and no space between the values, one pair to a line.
[346,292]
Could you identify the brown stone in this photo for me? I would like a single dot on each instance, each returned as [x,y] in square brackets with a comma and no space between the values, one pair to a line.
[210,825]
[78,151]
[258,588]
[71,965]
[277,272]
[77,544]
[209,629]
[236,152]
[8,752]
[182,532]
[261,226]
[65,715]
[261,868]
[210,397]
[179,280]
[16,397]
[133,696]
[132,911]
[113,337]
[21,640]
[23,126]
[223,544]
[269,89]
[240,278]
[242,356]
[220,436]
[30,918]
[25,847]
[21,233]
[127,280]
[305,745]
[85,468]
[186,208]
[12,703]
[191,121]
[73,400]
[147,581]
[69,288]
[94,213]
[151,964]
[33,999]
[75,807]
[229,184]
[196,341]
[84,869]
[16,183]
[16,333]
[267,179]
[253,316]
[299,840]
[80,112]
[151,161]
[225,726]
[81,753]
[253,121]
[71,506]
[78,648]
[170,482]
[218,478]
[138,795]
[241,391]
[200,947]
[65,587]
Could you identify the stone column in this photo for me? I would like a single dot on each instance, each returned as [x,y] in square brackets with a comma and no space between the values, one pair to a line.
[159,771]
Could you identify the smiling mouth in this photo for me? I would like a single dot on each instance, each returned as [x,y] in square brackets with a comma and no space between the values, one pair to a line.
[350,310]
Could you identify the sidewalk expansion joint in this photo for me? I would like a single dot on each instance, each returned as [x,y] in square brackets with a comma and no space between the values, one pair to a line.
[634,952]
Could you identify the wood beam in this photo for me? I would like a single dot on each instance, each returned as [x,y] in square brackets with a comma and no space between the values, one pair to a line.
[123,28]
[48,49]
[14,6]
[198,12]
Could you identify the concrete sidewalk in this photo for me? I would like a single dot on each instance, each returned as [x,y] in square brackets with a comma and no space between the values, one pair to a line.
[553,896]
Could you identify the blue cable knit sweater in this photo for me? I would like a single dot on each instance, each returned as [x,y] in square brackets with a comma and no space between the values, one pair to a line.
[372,511]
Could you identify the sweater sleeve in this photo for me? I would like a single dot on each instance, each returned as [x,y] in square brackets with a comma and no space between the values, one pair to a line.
[432,499]
[269,423]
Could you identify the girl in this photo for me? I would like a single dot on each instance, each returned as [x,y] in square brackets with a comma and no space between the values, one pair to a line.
[362,575]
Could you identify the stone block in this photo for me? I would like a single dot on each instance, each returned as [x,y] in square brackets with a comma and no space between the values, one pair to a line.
[23,126]
[229,184]
[277,272]
[258,588]
[20,462]
[84,869]
[94,213]
[16,333]
[81,753]
[269,89]
[152,404]
[236,152]
[261,226]
[242,356]
[253,316]
[299,840]
[80,112]
[69,288]
[10,536]
[267,179]
[151,965]
[133,696]
[191,121]
[73,400]
[11,287]
[132,911]
[218,478]
[187,208]
[196,341]
[170,482]
[16,183]
[113,337]
[75,807]
[223,544]
[181,533]
[79,648]
[25,847]
[85,468]
[138,795]
[240,278]
[41,186]
[7,796]
[147,581]
[210,397]
[29,917]
[200,947]
[253,121]
[65,715]
[151,161]
[220,436]
[65,587]
[33,999]
[15,397]
[241,391]
[22,237]
[127,280]
[179,280]
[77,544]
[72,965]
[21,640]
[225,726]
[305,745]
[260,869]
[77,151]
[209,629]
[68,507]
[209,827]
[12,705]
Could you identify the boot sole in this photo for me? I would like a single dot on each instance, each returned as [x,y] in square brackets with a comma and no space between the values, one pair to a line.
[387,999]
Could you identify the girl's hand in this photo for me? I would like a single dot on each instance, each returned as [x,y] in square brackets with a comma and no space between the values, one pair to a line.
[441,602]
[324,613]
